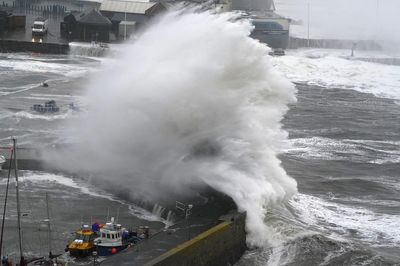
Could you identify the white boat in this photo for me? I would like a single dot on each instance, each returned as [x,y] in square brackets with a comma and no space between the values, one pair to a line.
[113,238]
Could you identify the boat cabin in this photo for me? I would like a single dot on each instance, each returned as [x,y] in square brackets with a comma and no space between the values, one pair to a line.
[83,243]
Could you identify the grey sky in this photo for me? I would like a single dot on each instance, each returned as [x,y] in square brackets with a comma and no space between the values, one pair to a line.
[345,19]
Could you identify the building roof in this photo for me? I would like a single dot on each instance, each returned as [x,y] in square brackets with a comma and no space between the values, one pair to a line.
[255,5]
[129,17]
[124,6]
[76,15]
[94,17]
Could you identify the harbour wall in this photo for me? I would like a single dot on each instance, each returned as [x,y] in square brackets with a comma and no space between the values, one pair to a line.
[295,43]
[7,46]
[221,245]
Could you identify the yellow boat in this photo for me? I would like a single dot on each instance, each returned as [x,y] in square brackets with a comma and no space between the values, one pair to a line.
[83,244]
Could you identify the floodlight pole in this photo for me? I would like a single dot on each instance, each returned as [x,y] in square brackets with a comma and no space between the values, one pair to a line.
[308,23]
[126,6]
[187,210]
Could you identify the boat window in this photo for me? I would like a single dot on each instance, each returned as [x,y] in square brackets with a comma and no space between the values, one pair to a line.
[108,236]
[117,234]
[84,238]
[103,235]
[112,236]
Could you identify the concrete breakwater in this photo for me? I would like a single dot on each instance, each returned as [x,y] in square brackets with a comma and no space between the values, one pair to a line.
[223,244]
[214,243]
[7,46]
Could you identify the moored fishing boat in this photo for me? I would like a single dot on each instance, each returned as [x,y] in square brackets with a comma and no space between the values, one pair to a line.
[113,238]
[83,243]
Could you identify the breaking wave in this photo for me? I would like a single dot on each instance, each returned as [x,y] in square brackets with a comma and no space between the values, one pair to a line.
[51,117]
[28,178]
[363,151]
[340,219]
[335,69]
[193,102]
[31,65]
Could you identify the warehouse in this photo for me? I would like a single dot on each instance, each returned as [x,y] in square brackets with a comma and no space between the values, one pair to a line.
[129,16]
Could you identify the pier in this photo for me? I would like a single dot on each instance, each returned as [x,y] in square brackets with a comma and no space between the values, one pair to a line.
[222,242]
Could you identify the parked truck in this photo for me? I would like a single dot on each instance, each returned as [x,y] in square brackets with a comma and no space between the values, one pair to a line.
[40,26]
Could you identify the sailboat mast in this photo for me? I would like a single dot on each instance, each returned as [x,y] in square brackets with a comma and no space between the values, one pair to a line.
[17,195]
[48,223]
[5,202]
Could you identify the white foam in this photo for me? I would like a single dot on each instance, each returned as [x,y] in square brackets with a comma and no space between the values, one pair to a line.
[375,228]
[42,64]
[55,95]
[9,91]
[341,149]
[84,188]
[330,69]
[146,215]
[44,67]
[49,117]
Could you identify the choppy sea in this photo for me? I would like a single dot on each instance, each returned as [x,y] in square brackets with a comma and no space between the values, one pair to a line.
[343,150]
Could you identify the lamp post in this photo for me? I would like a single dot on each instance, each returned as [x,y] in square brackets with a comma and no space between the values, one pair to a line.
[187,210]
[377,18]
[126,6]
[94,254]
[308,24]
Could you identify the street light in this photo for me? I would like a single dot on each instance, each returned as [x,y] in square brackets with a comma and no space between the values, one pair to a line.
[308,24]
[187,211]
[94,254]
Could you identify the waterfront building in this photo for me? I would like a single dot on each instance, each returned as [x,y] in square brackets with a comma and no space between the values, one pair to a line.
[129,16]
[94,27]
[89,27]
[3,21]
[269,27]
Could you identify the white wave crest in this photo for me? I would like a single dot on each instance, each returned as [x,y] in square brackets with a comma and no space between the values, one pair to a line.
[83,188]
[193,101]
[322,148]
[332,69]
[49,117]
[340,219]
[31,65]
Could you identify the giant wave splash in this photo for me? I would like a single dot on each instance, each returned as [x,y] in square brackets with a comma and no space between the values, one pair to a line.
[193,102]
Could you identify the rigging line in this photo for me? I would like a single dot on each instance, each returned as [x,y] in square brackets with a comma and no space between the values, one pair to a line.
[5,202]
[29,242]
[40,241]
[18,200]
[48,224]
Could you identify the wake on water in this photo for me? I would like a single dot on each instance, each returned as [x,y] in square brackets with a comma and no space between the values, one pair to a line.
[192,79]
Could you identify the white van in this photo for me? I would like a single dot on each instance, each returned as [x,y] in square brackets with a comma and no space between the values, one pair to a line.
[40,26]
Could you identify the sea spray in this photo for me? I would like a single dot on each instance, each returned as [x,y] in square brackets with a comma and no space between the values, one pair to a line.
[193,102]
